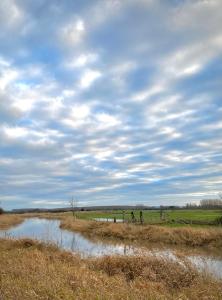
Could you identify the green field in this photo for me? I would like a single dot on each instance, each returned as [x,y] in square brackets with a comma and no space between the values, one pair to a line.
[153,216]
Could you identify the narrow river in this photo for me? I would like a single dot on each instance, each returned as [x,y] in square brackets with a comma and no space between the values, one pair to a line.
[49,231]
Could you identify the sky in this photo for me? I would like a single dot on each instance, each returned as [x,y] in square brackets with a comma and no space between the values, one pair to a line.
[110,102]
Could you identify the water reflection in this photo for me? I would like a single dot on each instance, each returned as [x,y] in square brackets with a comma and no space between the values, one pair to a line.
[49,231]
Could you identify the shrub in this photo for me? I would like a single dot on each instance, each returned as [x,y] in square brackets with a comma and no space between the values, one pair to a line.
[1,211]
[219,221]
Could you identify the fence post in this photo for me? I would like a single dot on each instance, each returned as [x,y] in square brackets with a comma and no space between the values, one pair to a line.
[132,216]
[141,217]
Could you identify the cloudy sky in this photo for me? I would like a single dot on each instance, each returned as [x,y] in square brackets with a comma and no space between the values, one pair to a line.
[109,101]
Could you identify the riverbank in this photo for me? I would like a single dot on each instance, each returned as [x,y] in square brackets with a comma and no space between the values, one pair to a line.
[10,220]
[31,270]
[194,237]
[184,236]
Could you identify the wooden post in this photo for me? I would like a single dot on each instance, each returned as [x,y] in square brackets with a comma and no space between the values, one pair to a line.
[161,213]
[132,217]
[123,216]
[141,217]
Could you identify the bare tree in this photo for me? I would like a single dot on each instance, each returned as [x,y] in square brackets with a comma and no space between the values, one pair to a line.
[73,204]
[211,203]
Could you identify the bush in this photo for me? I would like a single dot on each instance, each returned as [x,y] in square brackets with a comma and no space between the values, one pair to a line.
[1,211]
[219,221]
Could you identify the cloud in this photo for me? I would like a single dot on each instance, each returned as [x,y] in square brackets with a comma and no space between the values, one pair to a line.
[78,116]
[82,60]
[10,14]
[107,120]
[88,77]
[114,102]
[72,33]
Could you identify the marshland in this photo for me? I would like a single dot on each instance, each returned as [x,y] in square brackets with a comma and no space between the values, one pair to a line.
[66,256]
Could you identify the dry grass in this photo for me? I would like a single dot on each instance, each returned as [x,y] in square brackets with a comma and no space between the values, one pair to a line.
[7,221]
[189,236]
[194,237]
[31,270]
[172,274]
[10,220]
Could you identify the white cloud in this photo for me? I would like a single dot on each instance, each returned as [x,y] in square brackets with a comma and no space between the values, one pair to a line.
[88,77]
[72,33]
[103,154]
[80,25]
[82,60]
[146,94]
[107,120]
[78,116]
[7,77]
[15,132]
[191,69]
[80,112]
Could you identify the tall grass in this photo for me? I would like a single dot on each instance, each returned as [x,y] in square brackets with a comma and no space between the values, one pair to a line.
[9,220]
[31,270]
[189,236]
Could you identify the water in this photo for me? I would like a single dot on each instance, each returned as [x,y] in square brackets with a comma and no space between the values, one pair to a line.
[49,231]
[108,220]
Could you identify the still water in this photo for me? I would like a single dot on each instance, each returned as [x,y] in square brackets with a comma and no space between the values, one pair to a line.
[49,231]
[108,220]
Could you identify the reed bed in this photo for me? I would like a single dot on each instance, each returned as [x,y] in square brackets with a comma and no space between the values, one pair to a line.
[194,237]
[31,270]
[10,220]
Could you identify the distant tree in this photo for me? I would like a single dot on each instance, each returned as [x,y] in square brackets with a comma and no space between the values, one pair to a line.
[211,203]
[172,207]
[73,204]
[191,205]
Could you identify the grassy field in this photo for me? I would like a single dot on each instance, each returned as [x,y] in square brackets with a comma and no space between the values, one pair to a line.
[30,270]
[150,216]
[153,216]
